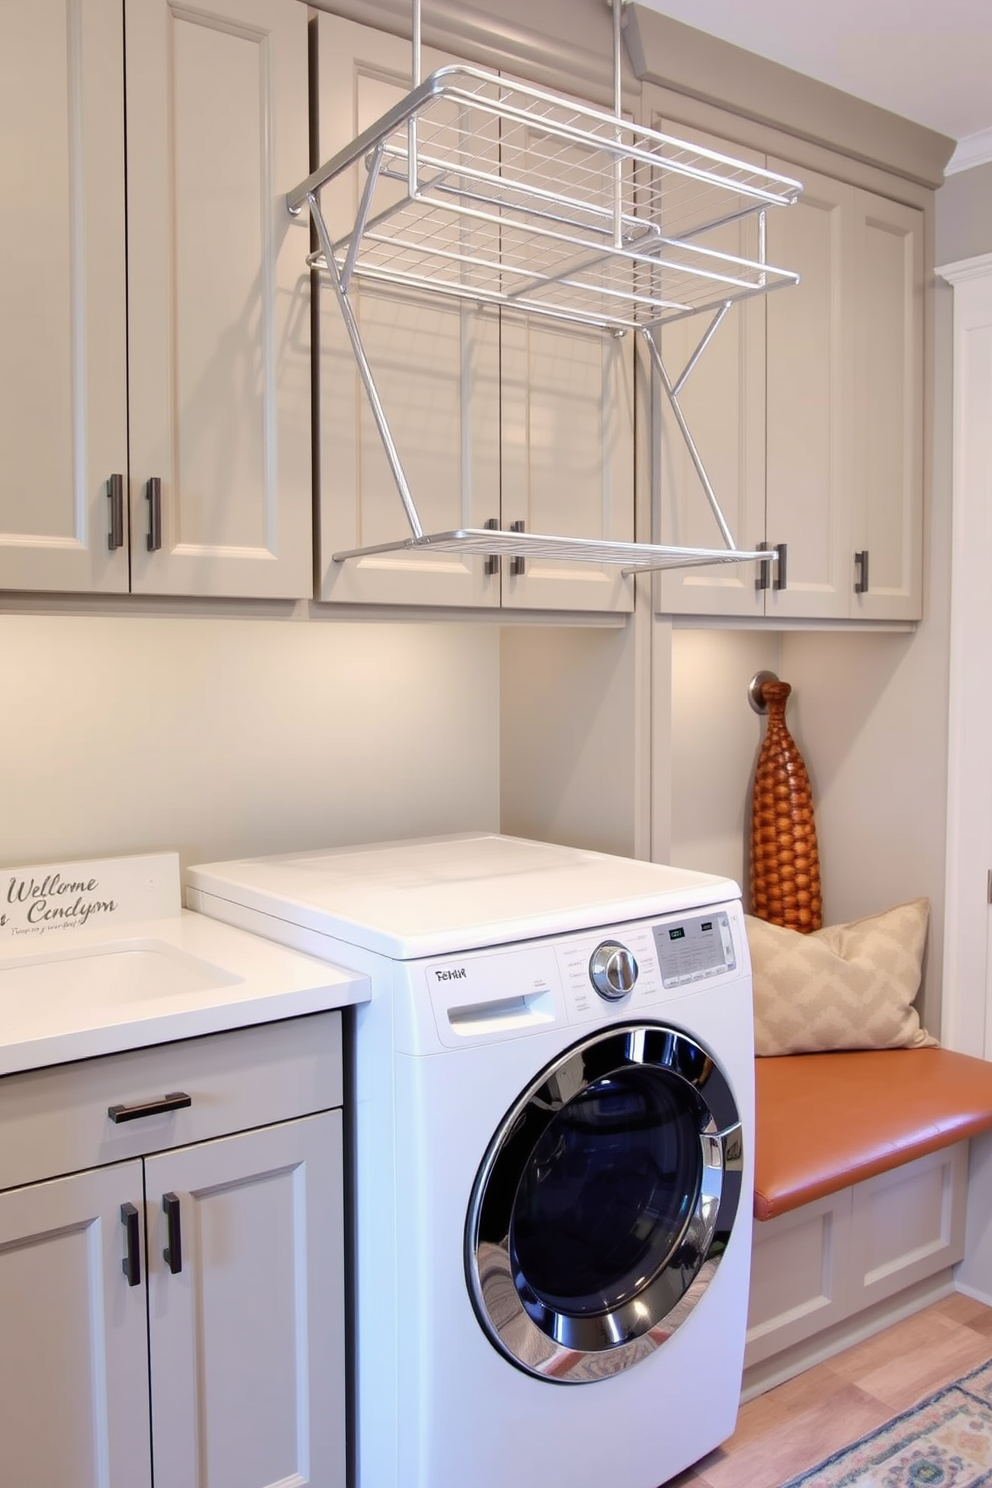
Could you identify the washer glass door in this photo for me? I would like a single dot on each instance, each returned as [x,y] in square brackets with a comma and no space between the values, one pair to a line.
[604,1203]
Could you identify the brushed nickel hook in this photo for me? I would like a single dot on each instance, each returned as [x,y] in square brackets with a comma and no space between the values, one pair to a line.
[754,690]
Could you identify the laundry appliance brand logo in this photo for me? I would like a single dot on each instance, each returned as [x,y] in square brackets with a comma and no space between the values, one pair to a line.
[451,974]
[49,902]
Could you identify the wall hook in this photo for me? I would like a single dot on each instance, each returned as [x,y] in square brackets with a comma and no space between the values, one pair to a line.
[754,693]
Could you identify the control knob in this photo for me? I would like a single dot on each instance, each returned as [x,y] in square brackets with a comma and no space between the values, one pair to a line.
[612,970]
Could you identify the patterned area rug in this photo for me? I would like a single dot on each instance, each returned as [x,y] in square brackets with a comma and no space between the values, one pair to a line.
[944,1442]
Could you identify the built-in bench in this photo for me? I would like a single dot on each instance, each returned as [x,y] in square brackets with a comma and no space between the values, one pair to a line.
[860,1186]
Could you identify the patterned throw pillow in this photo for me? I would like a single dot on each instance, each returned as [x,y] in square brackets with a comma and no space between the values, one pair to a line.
[843,987]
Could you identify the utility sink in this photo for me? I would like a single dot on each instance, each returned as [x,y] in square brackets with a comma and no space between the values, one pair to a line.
[109,974]
[99,956]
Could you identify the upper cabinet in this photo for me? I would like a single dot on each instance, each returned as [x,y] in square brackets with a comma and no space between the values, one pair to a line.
[156,410]
[63,351]
[807,411]
[497,418]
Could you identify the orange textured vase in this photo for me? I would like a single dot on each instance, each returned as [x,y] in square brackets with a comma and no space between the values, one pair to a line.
[785,861]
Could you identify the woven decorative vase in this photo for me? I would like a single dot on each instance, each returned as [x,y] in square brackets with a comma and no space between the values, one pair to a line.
[785,862]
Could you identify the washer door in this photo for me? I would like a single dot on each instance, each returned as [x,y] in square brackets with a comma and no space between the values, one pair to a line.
[604,1203]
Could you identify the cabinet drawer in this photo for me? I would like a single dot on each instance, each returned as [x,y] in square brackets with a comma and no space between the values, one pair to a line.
[55,1120]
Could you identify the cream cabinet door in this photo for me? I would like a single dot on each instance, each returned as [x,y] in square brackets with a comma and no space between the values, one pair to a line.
[724,404]
[567,441]
[218,298]
[566,424]
[435,363]
[810,397]
[888,407]
[63,353]
[567,457]
[73,1352]
[246,1309]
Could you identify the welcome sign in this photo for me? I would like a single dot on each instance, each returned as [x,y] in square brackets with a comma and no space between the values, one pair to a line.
[56,899]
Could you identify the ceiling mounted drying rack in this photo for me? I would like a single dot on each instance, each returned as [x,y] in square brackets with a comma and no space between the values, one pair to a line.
[481,213]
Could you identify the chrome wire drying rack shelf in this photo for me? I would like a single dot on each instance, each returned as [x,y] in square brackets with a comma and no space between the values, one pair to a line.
[501,194]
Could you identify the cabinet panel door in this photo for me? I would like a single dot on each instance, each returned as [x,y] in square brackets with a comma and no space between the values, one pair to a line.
[724,405]
[435,363]
[63,355]
[247,1339]
[888,408]
[810,387]
[567,419]
[218,296]
[73,1355]
[567,442]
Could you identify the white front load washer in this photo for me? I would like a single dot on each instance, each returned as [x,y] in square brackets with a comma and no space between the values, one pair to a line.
[552,1117]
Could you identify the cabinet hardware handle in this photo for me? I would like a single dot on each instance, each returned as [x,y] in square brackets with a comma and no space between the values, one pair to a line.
[491,564]
[153,495]
[764,569]
[518,566]
[173,1252]
[861,572]
[131,1264]
[176,1101]
[115,491]
[781,554]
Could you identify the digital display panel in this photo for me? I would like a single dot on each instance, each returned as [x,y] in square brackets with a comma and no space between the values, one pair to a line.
[695,949]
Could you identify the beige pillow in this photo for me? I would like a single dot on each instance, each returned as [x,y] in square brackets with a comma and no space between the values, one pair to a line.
[843,987]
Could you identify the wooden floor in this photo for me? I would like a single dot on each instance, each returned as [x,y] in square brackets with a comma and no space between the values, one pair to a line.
[796,1425]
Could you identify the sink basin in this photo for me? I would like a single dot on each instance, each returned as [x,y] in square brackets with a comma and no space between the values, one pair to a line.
[77,983]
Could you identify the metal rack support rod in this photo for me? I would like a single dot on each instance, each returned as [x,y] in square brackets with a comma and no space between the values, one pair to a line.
[704,342]
[617,6]
[694,454]
[364,207]
[372,392]
[411,128]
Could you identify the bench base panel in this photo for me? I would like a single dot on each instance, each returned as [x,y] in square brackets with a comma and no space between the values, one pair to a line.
[844,1335]
[843,1267]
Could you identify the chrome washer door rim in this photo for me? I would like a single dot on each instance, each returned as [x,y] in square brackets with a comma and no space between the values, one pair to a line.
[573,1346]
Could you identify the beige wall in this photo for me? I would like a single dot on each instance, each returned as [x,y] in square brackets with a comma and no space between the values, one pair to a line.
[223,736]
[715,737]
[571,758]
[964,215]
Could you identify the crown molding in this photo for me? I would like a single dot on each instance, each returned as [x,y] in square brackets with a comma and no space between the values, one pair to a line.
[979,267]
[974,149]
[689,61]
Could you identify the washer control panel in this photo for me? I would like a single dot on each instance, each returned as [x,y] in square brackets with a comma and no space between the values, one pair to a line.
[693,949]
[611,971]
[631,966]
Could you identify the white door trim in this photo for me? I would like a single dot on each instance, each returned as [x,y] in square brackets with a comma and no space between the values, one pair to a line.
[969,789]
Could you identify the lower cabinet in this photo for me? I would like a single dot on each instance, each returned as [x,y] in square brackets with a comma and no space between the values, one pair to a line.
[176,1318]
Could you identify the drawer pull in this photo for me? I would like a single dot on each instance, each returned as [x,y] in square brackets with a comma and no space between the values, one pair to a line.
[131,1264]
[153,495]
[763,577]
[177,1101]
[173,1252]
[115,491]
[518,566]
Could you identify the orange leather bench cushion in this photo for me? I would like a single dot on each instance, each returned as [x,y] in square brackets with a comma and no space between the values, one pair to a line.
[825,1121]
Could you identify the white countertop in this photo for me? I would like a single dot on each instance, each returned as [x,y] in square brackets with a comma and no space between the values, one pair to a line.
[104,989]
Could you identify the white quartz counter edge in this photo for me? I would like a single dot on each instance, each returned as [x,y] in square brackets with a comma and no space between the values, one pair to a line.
[260,982]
